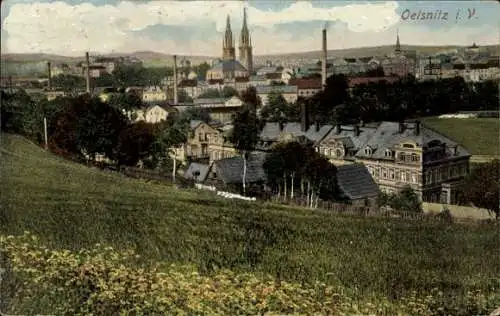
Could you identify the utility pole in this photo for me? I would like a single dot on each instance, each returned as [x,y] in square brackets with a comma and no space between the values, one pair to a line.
[45,133]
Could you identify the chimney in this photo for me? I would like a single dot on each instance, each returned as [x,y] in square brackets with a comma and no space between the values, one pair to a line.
[339,128]
[417,127]
[304,124]
[176,96]
[87,73]
[323,62]
[50,75]
[357,130]
[401,127]
[317,126]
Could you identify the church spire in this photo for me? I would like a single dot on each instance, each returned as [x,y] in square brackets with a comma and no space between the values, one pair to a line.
[398,45]
[228,44]
[245,34]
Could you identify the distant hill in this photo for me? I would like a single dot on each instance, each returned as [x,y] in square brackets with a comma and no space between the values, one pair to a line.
[155,59]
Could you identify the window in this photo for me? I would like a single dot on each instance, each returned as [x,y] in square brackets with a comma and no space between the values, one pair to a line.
[384,173]
[414,157]
[402,156]
[368,151]
[339,153]
[391,173]
[403,176]
[413,178]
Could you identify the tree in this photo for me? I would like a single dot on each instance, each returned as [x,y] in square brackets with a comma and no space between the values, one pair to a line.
[134,143]
[68,82]
[244,136]
[482,187]
[228,92]
[14,111]
[405,200]
[201,69]
[376,72]
[105,80]
[193,113]
[250,98]
[276,109]
[98,128]
[209,94]
[166,143]
[125,101]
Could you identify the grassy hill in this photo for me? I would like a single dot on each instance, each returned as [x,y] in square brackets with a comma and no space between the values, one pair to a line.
[71,206]
[479,135]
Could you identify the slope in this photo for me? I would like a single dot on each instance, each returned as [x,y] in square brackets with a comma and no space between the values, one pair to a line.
[72,206]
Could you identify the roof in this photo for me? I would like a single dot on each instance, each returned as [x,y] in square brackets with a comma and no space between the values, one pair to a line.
[347,135]
[210,100]
[230,170]
[273,75]
[228,65]
[271,131]
[195,167]
[307,83]
[267,69]
[282,89]
[356,182]
[387,135]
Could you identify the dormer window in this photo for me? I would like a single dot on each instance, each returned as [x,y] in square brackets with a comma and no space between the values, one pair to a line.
[368,151]
[389,153]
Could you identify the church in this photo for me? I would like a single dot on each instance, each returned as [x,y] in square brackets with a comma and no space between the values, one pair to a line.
[229,68]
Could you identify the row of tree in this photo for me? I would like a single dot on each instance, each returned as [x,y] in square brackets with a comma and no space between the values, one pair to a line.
[377,101]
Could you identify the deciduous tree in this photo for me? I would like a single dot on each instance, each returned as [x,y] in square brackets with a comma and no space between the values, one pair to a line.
[482,187]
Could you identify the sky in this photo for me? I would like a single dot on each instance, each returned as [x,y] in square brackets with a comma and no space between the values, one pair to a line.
[71,27]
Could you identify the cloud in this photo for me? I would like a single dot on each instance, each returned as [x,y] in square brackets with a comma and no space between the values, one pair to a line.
[196,27]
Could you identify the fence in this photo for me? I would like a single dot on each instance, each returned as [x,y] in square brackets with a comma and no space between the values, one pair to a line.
[348,209]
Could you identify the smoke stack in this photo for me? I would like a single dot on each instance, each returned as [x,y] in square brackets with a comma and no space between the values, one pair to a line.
[176,96]
[304,124]
[50,75]
[324,58]
[87,74]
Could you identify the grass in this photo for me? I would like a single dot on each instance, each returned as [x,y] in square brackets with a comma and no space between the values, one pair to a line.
[479,135]
[71,206]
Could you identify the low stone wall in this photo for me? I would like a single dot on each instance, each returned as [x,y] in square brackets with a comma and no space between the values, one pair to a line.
[459,212]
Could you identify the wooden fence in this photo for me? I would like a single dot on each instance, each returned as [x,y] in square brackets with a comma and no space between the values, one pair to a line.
[348,209]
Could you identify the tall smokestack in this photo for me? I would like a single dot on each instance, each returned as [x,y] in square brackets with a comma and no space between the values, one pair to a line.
[50,75]
[323,62]
[176,96]
[87,71]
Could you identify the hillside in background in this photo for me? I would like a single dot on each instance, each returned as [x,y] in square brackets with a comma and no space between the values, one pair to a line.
[155,59]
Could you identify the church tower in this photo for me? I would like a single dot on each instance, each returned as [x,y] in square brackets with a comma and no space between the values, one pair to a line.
[228,52]
[246,58]
[397,51]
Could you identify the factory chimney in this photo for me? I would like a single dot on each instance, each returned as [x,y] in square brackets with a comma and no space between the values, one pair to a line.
[50,75]
[176,96]
[324,60]
[87,73]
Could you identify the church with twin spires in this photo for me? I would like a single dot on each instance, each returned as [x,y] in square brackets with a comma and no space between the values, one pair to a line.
[229,68]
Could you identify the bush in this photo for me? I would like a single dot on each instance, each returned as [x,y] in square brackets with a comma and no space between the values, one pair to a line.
[107,282]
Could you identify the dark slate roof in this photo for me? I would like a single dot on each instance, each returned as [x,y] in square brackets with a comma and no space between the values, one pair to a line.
[387,135]
[230,170]
[271,131]
[203,169]
[347,135]
[356,182]
[228,65]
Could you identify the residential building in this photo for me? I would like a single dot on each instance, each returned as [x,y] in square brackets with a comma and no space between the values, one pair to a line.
[151,114]
[154,94]
[288,92]
[396,154]
[307,87]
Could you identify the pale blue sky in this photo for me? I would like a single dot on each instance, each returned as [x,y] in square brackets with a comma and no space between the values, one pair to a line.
[71,27]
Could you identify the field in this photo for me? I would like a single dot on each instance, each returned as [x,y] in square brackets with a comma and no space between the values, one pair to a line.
[481,136]
[69,206]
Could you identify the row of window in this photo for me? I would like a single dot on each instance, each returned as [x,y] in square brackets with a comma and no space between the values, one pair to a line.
[445,173]
[217,155]
[395,175]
